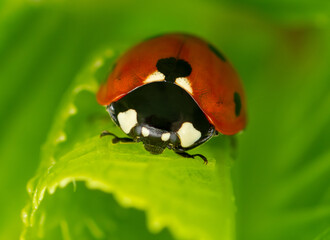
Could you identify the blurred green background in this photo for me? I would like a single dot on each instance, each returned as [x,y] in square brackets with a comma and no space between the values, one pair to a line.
[281,49]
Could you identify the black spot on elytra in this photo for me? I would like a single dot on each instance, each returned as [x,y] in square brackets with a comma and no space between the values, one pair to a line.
[238,104]
[217,52]
[173,68]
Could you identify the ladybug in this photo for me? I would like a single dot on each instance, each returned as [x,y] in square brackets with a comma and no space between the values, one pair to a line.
[174,91]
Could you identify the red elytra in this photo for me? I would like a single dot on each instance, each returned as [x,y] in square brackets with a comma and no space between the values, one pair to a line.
[216,86]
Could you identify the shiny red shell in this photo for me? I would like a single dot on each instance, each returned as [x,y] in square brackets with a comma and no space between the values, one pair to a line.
[213,80]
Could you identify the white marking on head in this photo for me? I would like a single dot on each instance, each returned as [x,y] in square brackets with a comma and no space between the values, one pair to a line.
[165,136]
[155,77]
[145,132]
[184,83]
[127,120]
[188,134]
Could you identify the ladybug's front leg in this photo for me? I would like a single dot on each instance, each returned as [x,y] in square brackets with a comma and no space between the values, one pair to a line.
[187,155]
[116,139]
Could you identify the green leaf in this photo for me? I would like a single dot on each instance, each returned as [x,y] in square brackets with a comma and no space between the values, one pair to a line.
[190,199]
[281,50]
[284,175]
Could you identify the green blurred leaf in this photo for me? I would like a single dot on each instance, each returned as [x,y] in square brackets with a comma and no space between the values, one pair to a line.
[281,50]
[284,186]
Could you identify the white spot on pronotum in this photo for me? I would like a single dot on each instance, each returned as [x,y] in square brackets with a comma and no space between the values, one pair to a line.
[184,83]
[127,120]
[165,136]
[145,132]
[188,134]
[155,77]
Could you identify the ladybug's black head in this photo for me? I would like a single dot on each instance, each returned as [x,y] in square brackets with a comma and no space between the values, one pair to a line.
[152,138]
[154,149]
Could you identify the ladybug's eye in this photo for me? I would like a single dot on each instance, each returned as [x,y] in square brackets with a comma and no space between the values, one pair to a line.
[238,104]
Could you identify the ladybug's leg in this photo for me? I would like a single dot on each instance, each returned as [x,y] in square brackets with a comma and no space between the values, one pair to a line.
[187,155]
[116,139]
